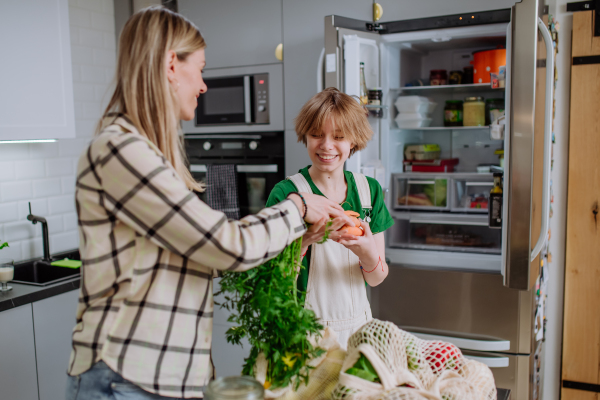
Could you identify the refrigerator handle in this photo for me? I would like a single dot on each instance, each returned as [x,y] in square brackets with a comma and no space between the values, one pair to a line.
[547,139]
[491,362]
[320,71]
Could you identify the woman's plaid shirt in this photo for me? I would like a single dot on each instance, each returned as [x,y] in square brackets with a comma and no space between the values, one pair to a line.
[149,248]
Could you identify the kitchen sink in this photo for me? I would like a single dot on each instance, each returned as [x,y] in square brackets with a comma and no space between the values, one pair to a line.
[41,273]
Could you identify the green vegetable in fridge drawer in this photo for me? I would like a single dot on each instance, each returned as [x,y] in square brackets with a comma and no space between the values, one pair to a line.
[437,192]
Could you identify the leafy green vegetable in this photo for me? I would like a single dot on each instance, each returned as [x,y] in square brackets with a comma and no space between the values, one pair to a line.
[269,312]
[437,192]
[327,231]
[3,245]
[364,370]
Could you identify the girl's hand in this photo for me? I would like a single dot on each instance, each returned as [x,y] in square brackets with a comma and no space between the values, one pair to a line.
[363,246]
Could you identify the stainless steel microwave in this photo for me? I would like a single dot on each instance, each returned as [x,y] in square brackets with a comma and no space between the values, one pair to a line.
[242,99]
[230,100]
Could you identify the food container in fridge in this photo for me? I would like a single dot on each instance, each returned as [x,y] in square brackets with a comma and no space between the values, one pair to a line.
[471,192]
[420,191]
[412,120]
[415,104]
[422,152]
[444,232]
[446,165]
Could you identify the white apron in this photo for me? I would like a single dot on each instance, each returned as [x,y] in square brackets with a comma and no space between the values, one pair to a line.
[336,289]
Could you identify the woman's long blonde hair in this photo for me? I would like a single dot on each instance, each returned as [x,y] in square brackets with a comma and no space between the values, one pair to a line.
[143,92]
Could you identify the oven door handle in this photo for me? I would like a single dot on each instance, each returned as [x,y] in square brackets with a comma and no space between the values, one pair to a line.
[247,111]
[468,344]
[244,168]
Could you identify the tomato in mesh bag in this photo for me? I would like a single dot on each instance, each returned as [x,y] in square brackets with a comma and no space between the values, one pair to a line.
[442,356]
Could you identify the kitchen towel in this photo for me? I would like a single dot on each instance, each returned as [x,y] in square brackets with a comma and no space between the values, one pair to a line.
[222,189]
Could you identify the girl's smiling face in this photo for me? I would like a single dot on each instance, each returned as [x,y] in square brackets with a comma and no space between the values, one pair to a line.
[328,148]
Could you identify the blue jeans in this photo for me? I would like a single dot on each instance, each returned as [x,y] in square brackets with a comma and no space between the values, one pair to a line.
[102,383]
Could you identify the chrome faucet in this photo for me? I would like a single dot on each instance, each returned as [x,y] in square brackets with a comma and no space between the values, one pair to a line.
[34,220]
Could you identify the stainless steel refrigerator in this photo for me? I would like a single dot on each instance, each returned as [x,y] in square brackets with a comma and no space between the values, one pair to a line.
[452,277]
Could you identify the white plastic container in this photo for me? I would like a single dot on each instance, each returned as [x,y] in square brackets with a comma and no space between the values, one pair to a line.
[415,104]
[412,120]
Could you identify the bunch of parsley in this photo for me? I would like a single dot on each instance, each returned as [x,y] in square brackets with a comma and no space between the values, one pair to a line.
[268,311]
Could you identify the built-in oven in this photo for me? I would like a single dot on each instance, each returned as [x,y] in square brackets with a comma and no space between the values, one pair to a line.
[239,100]
[257,158]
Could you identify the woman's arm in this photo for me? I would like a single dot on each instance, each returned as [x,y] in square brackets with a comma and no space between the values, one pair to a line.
[143,191]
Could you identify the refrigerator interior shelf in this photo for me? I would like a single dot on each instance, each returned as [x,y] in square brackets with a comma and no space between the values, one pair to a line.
[446,128]
[468,87]
[375,107]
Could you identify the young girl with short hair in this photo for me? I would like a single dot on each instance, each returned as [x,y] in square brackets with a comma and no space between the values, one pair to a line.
[334,126]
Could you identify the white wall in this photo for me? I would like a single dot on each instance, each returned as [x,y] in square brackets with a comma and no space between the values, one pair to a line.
[554,313]
[44,173]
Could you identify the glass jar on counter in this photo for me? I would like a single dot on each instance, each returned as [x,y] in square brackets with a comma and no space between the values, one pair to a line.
[438,77]
[474,111]
[234,388]
[453,113]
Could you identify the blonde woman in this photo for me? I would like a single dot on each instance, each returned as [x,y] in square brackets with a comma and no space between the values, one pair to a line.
[333,126]
[149,246]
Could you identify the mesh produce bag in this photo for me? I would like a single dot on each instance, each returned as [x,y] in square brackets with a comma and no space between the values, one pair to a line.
[408,368]
[322,379]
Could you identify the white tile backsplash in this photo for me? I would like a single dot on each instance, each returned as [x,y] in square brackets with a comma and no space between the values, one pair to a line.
[11,191]
[28,169]
[44,173]
[8,170]
[47,187]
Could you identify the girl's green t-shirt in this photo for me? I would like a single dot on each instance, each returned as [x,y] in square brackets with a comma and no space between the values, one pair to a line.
[380,216]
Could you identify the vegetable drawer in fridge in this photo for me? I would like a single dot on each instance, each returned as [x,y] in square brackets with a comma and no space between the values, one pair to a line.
[444,232]
[420,192]
[471,193]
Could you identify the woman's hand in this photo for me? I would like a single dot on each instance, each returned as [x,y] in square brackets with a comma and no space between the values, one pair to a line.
[319,207]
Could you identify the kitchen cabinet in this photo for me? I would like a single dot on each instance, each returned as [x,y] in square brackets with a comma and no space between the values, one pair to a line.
[581,352]
[36,100]
[303,27]
[53,321]
[18,379]
[237,32]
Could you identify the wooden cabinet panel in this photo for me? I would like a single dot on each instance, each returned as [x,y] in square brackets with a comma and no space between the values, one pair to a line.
[572,394]
[581,340]
[54,319]
[18,377]
[586,43]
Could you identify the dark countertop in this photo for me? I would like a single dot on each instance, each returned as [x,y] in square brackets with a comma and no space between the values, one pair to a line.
[25,294]
[22,294]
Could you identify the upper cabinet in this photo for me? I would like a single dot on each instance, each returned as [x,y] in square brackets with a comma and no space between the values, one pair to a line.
[237,32]
[36,86]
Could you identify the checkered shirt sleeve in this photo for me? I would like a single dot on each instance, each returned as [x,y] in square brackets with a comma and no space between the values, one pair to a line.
[149,249]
